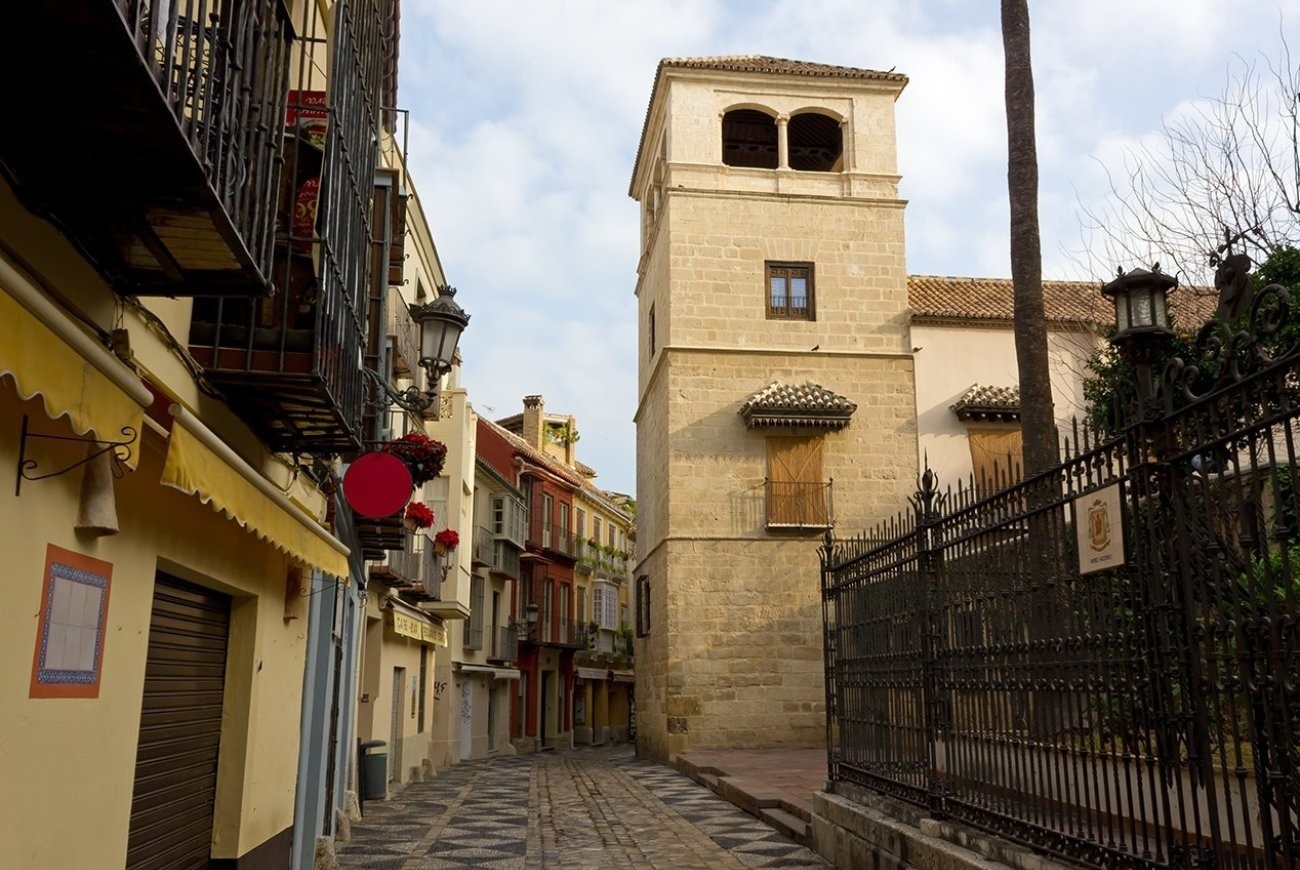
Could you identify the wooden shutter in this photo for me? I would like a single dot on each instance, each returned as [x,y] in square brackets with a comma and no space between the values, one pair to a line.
[995,457]
[796,488]
[180,728]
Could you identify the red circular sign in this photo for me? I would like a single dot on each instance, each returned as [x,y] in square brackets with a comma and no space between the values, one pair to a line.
[377,484]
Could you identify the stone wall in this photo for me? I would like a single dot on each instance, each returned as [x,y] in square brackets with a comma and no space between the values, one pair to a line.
[734,654]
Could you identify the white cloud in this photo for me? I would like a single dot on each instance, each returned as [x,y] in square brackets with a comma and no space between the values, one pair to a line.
[527,115]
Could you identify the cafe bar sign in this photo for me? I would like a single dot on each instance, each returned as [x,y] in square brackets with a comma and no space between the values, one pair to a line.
[418,629]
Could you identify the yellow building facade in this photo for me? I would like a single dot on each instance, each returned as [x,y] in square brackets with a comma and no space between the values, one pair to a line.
[189,272]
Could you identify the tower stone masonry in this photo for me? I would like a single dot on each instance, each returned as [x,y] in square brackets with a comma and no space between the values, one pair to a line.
[775,389]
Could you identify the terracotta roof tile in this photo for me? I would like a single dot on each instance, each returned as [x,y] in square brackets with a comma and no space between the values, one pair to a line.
[806,404]
[753,63]
[985,402]
[947,297]
[780,65]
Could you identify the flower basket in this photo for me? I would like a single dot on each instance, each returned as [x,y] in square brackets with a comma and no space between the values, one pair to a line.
[418,516]
[422,455]
[445,541]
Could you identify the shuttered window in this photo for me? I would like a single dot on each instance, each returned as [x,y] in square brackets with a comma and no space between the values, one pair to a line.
[995,457]
[797,493]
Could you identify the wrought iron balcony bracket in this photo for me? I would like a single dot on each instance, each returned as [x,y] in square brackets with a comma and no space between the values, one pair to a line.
[121,453]
[412,399]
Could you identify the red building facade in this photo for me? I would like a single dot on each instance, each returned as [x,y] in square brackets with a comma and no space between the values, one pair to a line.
[542,600]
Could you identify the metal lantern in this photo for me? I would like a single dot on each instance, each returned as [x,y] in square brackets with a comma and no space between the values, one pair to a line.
[1141,300]
[441,322]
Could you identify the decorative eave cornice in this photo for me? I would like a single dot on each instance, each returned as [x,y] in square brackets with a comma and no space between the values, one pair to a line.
[802,405]
[988,404]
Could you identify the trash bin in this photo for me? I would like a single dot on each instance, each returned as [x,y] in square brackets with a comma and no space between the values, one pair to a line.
[374,771]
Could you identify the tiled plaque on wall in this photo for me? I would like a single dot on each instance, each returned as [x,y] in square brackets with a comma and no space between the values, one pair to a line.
[70,634]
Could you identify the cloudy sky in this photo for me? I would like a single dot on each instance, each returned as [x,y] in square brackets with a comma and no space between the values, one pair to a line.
[526,116]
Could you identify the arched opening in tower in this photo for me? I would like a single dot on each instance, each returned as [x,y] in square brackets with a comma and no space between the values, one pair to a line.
[749,139]
[816,143]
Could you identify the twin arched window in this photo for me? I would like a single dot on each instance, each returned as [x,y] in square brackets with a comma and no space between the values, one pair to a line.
[814,142]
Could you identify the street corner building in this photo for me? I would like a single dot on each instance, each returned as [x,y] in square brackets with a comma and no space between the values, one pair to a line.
[776,392]
[204,227]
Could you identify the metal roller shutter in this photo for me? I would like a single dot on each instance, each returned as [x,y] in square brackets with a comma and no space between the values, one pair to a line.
[180,728]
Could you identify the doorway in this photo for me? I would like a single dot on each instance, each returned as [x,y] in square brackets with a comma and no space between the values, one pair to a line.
[395,731]
[174,797]
[548,708]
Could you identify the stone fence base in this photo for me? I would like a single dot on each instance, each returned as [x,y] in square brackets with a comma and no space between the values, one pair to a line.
[857,828]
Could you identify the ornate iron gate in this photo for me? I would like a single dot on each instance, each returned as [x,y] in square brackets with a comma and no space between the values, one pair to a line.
[1143,714]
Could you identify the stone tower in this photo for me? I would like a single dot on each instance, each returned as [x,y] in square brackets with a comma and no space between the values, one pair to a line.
[775,383]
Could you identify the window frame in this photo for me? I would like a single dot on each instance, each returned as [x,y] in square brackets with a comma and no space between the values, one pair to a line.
[783,269]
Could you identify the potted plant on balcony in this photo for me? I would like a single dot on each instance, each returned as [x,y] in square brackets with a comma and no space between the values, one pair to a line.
[423,455]
[445,541]
[418,516]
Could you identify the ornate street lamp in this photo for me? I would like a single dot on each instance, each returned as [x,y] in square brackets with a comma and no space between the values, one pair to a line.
[1142,333]
[441,323]
[525,629]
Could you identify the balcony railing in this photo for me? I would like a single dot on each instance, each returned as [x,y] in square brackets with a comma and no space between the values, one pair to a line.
[622,645]
[158,150]
[799,505]
[483,554]
[404,335]
[412,568]
[380,535]
[505,559]
[506,645]
[600,559]
[291,364]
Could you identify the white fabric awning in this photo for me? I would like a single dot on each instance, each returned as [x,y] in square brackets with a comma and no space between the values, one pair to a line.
[50,358]
[496,673]
[200,464]
[591,673]
[623,676]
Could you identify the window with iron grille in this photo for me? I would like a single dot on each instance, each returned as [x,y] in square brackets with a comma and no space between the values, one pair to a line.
[642,605]
[790,291]
[548,608]
[474,629]
[564,613]
[547,512]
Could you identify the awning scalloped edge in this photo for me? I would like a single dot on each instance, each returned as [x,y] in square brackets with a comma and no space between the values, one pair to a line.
[198,466]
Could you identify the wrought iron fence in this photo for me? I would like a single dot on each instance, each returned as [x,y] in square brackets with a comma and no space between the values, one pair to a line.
[1103,660]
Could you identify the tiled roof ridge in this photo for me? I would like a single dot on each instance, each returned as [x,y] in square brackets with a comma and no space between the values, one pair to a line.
[962,297]
[989,396]
[537,457]
[778,65]
[805,396]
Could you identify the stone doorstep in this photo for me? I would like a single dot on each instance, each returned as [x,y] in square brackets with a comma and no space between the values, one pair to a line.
[792,817]
[792,826]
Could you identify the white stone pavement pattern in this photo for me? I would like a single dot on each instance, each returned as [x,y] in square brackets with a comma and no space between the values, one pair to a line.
[587,808]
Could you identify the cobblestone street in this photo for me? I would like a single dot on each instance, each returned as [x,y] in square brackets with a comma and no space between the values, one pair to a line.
[597,808]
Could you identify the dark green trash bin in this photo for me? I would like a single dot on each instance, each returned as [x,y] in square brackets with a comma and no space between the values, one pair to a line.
[374,771]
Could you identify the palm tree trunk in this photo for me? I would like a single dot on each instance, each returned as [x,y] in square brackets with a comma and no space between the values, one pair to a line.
[1037,417]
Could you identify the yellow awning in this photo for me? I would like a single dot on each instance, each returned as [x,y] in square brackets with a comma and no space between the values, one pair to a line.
[42,364]
[195,465]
